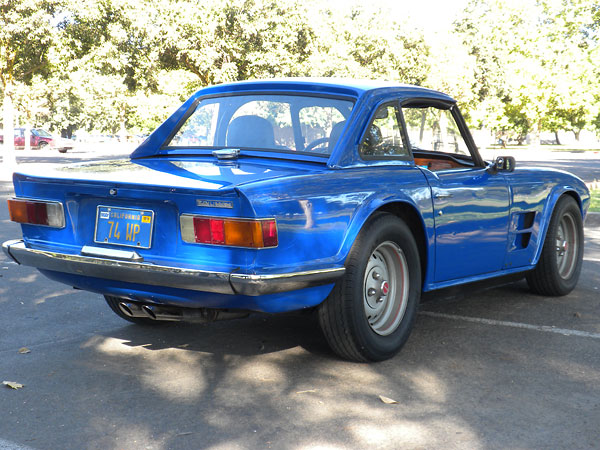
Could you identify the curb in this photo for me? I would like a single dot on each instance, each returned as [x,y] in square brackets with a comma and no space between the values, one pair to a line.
[592,220]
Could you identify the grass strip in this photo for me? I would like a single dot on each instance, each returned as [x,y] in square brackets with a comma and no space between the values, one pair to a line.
[595,203]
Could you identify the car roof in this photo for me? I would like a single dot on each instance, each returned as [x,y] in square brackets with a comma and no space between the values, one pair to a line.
[365,92]
[332,86]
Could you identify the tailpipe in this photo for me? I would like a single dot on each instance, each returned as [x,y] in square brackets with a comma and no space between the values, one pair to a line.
[131,309]
[175,314]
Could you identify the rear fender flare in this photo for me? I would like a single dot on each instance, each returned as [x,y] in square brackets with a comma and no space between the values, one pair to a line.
[383,204]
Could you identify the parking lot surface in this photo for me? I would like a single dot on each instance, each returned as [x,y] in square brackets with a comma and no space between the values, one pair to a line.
[495,368]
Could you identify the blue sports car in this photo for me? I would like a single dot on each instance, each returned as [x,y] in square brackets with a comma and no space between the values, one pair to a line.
[349,198]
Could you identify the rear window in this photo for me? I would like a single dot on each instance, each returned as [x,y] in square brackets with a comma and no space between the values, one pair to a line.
[269,122]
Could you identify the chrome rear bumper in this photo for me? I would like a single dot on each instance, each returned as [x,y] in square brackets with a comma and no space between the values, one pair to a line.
[135,271]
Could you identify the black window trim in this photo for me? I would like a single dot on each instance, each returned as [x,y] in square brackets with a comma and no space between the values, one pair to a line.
[194,105]
[458,118]
[403,134]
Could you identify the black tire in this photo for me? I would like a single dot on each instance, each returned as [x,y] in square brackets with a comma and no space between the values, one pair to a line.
[113,302]
[62,150]
[42,145]
[558,269]
[373,327]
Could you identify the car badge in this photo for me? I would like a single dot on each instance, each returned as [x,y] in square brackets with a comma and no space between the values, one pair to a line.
[214,203]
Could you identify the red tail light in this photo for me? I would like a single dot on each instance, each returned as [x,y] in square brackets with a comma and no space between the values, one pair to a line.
[36,212]
[259,233]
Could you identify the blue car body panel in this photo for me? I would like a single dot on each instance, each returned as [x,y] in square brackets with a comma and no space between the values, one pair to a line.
[471,223]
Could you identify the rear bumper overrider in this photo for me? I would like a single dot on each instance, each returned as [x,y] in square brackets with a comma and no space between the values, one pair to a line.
[137,271]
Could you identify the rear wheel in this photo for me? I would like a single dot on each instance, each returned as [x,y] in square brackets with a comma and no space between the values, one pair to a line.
[558,269]
[372,309]
[42,145]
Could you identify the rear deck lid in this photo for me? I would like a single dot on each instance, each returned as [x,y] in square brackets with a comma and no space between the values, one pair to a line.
[207,174]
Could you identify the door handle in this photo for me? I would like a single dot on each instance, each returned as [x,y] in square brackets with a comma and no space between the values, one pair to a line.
[442,195]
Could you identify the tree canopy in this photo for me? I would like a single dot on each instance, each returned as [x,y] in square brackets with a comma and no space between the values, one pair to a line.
[118,66]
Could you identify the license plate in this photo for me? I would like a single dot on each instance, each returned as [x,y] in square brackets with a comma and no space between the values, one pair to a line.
[124,226]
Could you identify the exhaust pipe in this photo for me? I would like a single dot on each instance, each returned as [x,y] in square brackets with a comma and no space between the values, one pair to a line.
[162,313]
[175,314]
[131,309]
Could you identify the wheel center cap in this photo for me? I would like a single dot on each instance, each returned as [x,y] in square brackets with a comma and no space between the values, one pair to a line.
[385,288]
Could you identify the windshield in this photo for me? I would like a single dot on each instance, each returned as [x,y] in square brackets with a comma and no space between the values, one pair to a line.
[40,132]
[289,123]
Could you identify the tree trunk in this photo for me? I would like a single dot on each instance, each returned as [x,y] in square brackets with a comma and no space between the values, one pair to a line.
[535,136]
[577,133]
[8,155]
[556,138]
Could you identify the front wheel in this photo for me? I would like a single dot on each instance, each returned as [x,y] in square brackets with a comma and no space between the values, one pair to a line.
[371,311]
[558,269]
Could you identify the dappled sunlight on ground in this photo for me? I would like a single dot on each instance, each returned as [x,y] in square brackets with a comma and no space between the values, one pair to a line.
[119,436]
[270,382]
[408,434]
[428,385]
[580,373]
[303,390]
[28,278]
[42,299]
[175,374]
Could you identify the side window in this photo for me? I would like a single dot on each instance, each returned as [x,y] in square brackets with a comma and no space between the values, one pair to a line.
[317,124]
[199,131]
[434,129]
[384,134]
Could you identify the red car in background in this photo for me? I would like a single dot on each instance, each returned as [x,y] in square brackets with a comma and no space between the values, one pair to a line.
[39,138]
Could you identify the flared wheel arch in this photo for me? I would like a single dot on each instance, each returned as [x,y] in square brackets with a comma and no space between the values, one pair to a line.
[413,219]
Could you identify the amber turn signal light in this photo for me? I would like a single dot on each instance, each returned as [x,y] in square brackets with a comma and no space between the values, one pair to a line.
[36,212]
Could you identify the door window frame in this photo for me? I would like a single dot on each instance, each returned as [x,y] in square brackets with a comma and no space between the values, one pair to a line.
[458,119]
[403,134]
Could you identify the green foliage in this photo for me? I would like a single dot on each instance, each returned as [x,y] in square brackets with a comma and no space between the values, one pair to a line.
[26,36]
[226,40]
[595,201]
[115,65]
[367,42]
[596,123]
[534,62]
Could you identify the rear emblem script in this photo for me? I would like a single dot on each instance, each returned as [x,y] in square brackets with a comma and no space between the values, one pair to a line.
[214,204]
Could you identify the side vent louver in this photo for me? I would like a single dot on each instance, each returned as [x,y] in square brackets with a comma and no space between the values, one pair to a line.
[523,229]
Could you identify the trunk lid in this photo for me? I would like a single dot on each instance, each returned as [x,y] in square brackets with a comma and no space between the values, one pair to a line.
[167,187]
[188,173]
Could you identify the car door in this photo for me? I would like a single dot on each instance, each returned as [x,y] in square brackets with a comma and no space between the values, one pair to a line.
[19,137]
[471,205]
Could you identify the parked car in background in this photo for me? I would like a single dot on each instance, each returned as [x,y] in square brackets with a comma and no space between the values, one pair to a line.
[347,198]
[38,139]
[64,144]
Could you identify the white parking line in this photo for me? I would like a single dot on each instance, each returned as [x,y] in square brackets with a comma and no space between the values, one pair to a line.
[502,323]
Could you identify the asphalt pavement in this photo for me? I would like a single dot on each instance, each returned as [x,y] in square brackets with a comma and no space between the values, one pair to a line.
[496,368]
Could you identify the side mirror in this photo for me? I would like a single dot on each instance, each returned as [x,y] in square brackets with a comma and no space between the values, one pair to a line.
[502,164]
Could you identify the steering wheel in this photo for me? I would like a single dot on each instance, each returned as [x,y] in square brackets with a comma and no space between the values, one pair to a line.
[314,144]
